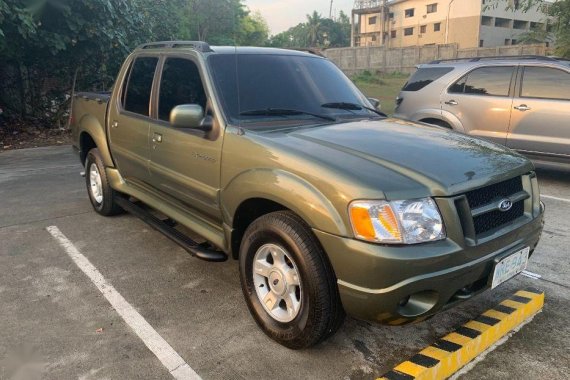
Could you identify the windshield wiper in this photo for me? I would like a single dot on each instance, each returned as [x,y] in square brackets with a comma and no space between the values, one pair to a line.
[351,107]
[284,112]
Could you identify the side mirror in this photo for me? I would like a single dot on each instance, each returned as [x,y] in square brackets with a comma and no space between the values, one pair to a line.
[190,116]
[375,103]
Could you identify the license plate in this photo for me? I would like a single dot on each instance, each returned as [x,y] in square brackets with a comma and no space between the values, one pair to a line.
[510,266]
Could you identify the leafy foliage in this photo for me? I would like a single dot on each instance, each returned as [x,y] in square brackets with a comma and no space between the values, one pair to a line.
[48,45]
[316,32]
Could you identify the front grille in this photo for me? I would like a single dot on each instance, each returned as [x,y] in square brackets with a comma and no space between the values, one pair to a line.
[495,219]
[491,194]
[498,191]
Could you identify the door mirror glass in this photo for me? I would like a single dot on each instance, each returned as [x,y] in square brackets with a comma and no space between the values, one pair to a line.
[189,116]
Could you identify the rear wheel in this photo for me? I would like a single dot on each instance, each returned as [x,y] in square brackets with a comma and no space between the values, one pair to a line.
[439,123]
[287,281]
[101,195]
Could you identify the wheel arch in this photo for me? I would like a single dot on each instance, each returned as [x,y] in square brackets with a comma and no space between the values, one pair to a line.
[92,135]
[243,202]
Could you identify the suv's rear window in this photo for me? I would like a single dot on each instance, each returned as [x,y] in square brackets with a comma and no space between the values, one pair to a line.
[425,76]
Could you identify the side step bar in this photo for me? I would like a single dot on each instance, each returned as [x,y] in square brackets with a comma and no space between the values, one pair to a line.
[200,251]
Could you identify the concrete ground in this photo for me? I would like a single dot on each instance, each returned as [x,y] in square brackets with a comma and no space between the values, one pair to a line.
[52,314]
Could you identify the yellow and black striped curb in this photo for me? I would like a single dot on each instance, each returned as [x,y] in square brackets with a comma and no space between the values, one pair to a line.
[449,354]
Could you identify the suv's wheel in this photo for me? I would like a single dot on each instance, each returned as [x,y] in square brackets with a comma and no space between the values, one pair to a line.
[287,281]
[101,195]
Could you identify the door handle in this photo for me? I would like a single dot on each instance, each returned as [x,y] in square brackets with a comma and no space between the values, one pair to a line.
[156,138]
[451,103]
[523,108]
[115,124]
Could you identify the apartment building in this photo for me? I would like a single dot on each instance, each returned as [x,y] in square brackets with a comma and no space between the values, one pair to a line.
[468,23]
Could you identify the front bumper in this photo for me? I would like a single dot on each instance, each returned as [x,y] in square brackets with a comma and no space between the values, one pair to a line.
[402,284]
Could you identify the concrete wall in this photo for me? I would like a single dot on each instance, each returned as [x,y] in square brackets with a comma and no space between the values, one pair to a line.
[352,60]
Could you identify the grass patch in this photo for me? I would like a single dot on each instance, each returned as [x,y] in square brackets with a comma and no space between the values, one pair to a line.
[384,87]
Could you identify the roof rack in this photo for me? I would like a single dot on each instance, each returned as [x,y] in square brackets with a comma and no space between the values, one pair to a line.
[196,45]
[504,57]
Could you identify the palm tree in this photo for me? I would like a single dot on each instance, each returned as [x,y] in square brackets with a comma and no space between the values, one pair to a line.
[313,29]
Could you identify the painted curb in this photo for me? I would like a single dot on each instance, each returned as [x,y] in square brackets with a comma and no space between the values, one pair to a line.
[449,354]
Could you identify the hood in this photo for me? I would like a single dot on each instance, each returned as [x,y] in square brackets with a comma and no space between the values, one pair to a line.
[443,161]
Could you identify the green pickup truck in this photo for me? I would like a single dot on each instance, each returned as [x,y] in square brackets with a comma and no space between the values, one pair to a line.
[274,158]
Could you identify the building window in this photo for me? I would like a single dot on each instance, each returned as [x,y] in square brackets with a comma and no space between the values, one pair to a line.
[432,8]
[374,38]
[487,21]
[507,41]
[409,12]
[481,43]
[423,29]
[408,31]
[393,34]
[503,22]
[437,27]
[372,20]
[391,15]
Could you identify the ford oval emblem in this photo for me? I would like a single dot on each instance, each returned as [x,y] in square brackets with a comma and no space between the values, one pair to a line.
[505,205]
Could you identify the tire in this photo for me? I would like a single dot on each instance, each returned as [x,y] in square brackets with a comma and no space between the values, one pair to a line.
[101,195]
[283,246]
[439,123]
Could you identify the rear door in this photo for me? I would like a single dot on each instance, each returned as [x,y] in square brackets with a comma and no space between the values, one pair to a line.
[185,163]
[482,101]
[129,120]
[541,112]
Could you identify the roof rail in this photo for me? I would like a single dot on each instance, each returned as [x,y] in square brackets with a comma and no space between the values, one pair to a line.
[309,50]
[196,45]
[504,57]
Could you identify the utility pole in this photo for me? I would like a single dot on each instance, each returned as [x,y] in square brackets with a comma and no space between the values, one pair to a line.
[331,13]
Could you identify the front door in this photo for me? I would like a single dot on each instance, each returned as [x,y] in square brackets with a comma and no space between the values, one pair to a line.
[482,101]
[129,120]
[541,112]
[185,163]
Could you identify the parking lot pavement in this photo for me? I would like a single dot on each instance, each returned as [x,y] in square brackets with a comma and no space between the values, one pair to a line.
[56,322]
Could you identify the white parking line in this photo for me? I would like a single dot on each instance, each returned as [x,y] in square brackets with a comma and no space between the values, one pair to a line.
[555,198]
[177,367]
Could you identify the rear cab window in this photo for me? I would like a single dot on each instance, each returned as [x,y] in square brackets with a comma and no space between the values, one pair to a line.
[136,97]
[424,76]
[490,81]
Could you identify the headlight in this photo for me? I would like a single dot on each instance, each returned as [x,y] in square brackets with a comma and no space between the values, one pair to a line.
[397,222]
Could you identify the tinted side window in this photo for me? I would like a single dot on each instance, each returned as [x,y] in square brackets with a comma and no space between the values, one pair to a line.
[493,81]
[425,76]
[544,82]
[137,98]
[180,84]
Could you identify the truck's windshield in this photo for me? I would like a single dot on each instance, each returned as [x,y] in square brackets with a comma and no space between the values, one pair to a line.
[251,83]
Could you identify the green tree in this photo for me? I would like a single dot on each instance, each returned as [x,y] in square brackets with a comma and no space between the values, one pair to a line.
[314,24]
[253,30]
[561,13]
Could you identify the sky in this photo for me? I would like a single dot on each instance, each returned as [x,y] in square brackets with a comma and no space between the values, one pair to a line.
[283,14]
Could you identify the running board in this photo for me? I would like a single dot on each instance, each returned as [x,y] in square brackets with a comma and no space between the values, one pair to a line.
[200,251]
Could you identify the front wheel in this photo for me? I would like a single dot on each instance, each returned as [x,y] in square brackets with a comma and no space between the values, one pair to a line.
[288,283]
[101,195]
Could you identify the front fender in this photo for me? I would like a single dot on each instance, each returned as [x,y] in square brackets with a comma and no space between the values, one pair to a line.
[287,189]
[91,125]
